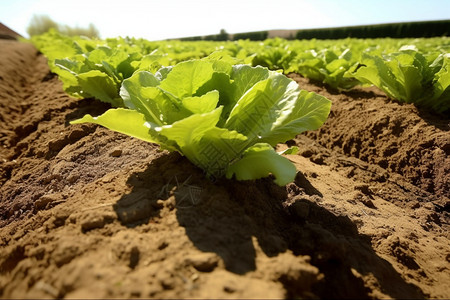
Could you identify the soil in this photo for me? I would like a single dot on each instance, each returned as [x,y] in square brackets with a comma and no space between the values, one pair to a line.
[87,212]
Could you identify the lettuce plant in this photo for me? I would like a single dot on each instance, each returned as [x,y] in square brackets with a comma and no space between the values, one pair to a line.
[274,58]
[90,68]
[224,118]
[97,73]
[330,66]
[408,76]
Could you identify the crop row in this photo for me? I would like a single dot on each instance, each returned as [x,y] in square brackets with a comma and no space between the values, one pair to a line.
[408,70]
[226,105]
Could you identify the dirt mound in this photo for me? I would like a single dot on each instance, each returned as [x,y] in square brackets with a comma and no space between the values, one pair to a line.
[86,212]
[397,137]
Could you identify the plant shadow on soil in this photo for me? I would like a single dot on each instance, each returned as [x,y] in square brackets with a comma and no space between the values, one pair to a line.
[438,120]
[223,217]
[87,106]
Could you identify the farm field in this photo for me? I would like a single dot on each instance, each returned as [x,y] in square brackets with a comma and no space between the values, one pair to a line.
[89,212]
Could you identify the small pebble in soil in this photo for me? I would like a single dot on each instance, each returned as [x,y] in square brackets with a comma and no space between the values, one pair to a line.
[313,175]
[229,288]
[203,262]
[90,222]
[115,152]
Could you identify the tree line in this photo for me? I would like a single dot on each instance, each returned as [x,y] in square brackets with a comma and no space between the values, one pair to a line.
[42,23]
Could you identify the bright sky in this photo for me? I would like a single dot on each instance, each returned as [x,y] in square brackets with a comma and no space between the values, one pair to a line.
[163,19]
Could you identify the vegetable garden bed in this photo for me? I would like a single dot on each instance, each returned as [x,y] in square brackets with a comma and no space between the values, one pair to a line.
[88,212]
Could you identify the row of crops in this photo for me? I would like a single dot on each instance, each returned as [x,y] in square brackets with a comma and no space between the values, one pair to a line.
[226,105]
[408,70]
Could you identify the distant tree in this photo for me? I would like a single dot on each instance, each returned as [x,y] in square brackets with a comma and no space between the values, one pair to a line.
[42,23]
[222,36]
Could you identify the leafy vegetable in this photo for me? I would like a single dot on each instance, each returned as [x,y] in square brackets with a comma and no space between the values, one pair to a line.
[274,58]
[330,66]
[333,62]
[221,113]
[408,77]
[98,73]
[250,166]
[224,118]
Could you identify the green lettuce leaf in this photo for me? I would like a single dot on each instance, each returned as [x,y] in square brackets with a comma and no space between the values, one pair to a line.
[187,78]
[261,160]
[209,147]
[202,104]
[407,76]
[440,101]
[275,110]
[223,118]
[100,86]
[126,121]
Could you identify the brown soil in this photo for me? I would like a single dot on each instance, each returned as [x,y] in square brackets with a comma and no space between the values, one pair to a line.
[87,212]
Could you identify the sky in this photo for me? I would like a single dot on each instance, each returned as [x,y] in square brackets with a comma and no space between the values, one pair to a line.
[166,19]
